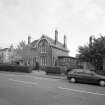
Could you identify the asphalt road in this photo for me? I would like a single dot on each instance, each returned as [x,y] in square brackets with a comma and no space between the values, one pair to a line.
[34,90]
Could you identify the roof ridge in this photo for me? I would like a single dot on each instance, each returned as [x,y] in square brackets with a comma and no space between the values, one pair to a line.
[52,42]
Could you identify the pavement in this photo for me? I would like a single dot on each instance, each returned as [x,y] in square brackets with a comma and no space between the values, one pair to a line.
[43,74]
[38,74]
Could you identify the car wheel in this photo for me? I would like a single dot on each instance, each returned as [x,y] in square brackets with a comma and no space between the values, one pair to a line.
[73,80]
[102,83]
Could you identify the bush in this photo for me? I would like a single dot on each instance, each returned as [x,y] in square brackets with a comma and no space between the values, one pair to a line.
[100,72]
[15,68]
[53,70]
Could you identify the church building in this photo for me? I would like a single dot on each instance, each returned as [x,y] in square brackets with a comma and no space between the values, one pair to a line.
[45,51]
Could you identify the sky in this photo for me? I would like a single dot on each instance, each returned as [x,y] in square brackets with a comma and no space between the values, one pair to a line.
[77,19]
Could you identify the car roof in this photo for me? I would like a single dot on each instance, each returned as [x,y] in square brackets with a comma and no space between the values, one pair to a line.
[82,70]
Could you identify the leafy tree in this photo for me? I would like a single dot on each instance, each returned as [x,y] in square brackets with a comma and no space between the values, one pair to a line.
[21,45]
[93,52]
[20,48]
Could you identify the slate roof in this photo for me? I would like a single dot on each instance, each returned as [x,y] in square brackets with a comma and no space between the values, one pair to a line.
[34,42]
[58,44]
[52,43]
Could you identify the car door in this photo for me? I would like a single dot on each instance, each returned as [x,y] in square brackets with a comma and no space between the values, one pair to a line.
[84,77]
[79,76]
[93,78]
[89,77]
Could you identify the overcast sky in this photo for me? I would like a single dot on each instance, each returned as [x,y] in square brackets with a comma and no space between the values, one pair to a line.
[77,19]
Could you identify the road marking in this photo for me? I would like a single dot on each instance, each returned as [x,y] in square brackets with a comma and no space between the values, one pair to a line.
[81,91]
[25,82]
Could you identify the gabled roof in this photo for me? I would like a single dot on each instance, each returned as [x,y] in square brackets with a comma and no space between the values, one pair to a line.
[51,41]
[34,42]
[58,44]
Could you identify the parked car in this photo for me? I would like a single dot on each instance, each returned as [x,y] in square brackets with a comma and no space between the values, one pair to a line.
[68,70]
[85,76]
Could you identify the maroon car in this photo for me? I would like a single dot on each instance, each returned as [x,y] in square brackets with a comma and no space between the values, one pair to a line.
[85,76]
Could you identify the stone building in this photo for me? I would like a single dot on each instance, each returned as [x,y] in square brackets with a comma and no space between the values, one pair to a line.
[44,51]
[6,55]
[66,62]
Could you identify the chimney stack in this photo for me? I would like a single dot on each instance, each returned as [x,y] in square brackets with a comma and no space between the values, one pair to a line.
[65,41]
[29,39]
[56,36]
[91,39]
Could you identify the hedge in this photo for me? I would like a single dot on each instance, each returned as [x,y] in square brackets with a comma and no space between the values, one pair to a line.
[100,72]
[53,70]
[15,68]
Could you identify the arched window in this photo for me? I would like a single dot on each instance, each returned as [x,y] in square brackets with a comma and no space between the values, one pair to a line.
[43,45]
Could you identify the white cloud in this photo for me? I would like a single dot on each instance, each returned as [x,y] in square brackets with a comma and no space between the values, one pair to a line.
[78,19]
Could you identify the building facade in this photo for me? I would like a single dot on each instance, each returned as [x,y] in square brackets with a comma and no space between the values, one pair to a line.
[66,62]
[44,51]
[6,55]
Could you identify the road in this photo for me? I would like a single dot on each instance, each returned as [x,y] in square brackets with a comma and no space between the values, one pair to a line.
[34,90]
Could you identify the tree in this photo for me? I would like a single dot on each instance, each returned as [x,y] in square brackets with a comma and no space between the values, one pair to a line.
[93,53]
[20,47]
[20,51]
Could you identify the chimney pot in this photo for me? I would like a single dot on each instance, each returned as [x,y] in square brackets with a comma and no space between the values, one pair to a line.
[56,36]
[29,39]
[65,41]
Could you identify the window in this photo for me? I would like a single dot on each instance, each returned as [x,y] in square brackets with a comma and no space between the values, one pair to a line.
[34,60]
[53,60]
[41,61]
[87,74]
[69,60]
[43,50]
[45,61]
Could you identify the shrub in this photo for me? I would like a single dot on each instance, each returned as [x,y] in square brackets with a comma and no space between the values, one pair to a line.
[53,70]
[15,68]
[100,72]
